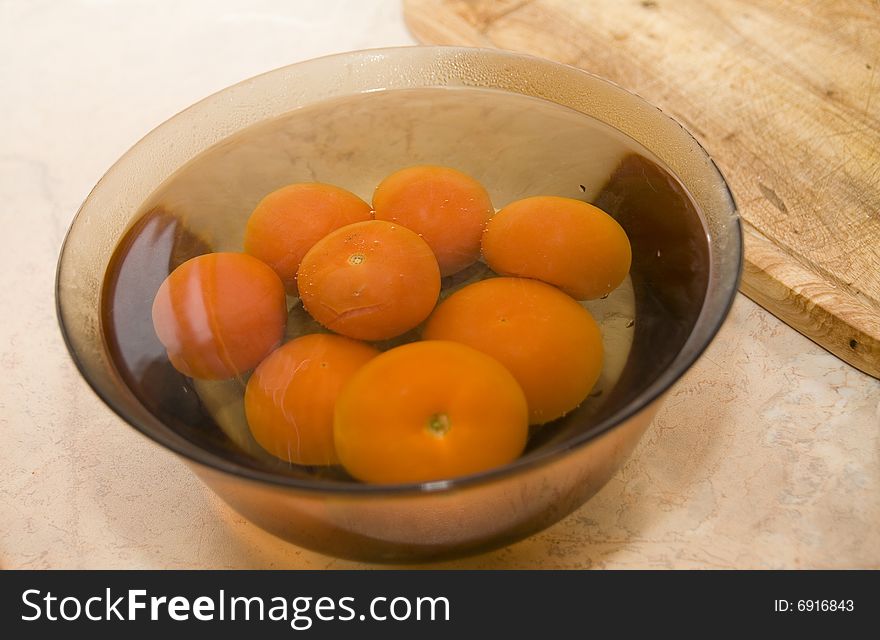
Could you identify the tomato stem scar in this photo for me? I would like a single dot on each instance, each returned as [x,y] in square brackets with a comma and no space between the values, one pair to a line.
[438,424]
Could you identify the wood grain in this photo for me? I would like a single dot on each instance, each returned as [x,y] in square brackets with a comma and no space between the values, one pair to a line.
[784,95]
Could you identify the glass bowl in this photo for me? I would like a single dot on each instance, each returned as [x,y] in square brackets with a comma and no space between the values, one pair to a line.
[522,126]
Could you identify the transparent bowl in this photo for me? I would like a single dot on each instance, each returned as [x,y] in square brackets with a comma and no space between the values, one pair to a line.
[523,126]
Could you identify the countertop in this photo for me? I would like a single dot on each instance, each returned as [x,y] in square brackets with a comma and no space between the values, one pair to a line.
[765,455]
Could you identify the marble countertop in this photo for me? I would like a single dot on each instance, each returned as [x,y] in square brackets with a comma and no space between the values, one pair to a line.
[765,455]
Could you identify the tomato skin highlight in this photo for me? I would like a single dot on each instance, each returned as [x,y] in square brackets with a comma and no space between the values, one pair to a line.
[426,411]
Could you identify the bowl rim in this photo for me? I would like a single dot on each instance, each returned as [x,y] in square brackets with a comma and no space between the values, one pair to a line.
[724,297]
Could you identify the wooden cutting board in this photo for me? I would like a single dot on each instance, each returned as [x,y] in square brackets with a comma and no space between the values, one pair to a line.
[784,95]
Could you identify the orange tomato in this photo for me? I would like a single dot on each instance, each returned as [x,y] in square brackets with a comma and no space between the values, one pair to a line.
[566,242]
[370,280]
[429,410]
[290,397]
[549,342]
[219,314]
[288,222]
[446,207]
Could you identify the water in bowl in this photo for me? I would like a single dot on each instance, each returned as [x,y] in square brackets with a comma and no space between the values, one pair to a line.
[517,146]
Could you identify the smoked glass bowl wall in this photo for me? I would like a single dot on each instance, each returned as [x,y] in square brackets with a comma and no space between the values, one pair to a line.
[522,126]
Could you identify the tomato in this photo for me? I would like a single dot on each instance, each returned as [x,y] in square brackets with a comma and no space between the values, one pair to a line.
[429,410]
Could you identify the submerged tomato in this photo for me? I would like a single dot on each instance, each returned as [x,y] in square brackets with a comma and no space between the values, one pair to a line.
[429,410]
[218,315]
